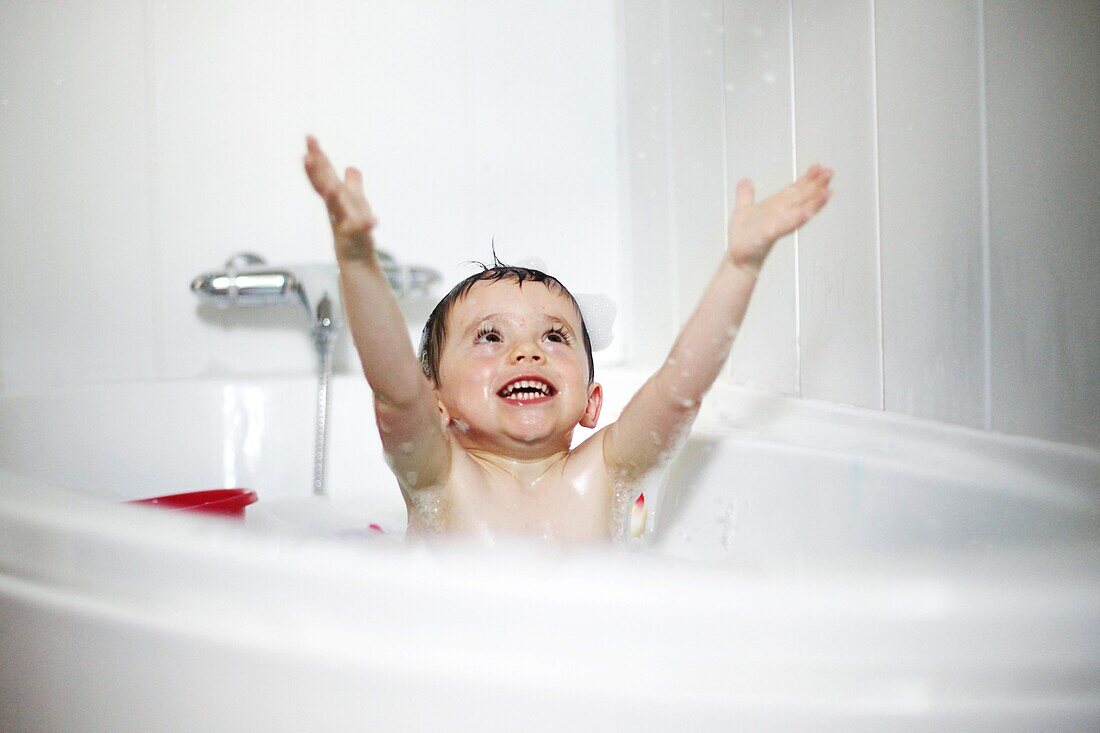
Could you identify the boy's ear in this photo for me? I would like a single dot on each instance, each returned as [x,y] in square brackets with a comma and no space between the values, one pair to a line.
[443,415]
[592,409]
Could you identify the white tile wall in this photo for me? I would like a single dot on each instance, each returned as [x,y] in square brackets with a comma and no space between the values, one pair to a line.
[480,121]
[230,100]
[840,326]
[1043,92]
[931,209]
[696,134]
[652,305]
[142,146]
[955,275]
[760,146]
[77,295]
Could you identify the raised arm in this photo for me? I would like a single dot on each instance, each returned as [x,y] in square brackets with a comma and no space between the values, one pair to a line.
[405,406]
[663,409]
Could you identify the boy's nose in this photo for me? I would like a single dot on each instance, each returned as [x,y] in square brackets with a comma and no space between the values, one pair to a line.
[526,352]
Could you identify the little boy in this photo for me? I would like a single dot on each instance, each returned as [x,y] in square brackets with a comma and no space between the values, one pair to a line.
[478,432]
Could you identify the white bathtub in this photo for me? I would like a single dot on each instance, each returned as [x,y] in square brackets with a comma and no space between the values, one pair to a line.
[805,567]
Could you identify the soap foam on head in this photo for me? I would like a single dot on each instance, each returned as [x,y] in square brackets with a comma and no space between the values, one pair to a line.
[599,313]
[597,310]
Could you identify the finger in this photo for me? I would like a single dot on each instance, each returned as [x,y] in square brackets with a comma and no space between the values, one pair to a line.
[320,171]
[816,204]
[353,178]
[810,186]
[327,183]
[339,201]
[819,177]
[824,176]
[745,195]
[353,182]
[811,179]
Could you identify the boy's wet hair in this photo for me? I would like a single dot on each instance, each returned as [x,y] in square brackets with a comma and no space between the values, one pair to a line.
[435,330]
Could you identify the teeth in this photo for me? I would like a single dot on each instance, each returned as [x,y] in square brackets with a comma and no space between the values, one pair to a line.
[525,384]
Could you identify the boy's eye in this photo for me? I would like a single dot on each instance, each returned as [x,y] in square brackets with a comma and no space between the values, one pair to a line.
[487,336]
[557,335]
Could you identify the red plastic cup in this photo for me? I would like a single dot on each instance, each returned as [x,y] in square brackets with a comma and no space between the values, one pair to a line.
[226,502]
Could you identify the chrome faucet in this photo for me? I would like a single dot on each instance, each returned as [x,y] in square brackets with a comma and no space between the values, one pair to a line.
[248,281]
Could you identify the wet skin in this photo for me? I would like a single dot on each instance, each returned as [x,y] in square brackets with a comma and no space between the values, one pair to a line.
[513,386]
[486,452]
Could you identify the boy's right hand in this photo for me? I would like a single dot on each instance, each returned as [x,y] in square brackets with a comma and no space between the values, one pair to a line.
[348,210]
[756,225]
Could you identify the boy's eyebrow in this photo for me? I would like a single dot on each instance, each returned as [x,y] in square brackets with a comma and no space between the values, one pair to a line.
[488,317]
[478,322]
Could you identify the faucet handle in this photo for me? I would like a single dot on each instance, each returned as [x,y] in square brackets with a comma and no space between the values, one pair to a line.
[324,312]
[244,260]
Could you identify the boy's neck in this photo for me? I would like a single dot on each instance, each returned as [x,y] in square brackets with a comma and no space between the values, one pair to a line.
[527,471]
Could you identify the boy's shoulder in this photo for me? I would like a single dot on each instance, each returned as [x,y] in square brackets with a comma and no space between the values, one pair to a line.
[585,460]
[589,449]
[570,496]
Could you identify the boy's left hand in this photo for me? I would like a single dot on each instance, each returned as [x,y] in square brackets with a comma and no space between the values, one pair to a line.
[754,227]
[348,211]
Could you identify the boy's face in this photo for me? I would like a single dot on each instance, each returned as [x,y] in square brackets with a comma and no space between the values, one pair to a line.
[514,370]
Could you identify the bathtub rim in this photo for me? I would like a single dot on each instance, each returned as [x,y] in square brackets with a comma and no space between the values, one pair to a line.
[923,593]
[282,586]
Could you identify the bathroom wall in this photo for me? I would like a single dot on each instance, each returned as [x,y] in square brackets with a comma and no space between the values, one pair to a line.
[142,143]
[955,275]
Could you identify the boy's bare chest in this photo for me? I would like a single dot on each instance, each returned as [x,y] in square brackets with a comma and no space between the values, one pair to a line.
[566,503]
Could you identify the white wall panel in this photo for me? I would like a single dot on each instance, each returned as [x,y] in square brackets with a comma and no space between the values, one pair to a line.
[697,132]
[653,299]
[931,209]
[480,121]
[231,86]
[838,265]
[174,137]
[474,122]
[75,236]
[1043,77]
[759,145]
[140,148]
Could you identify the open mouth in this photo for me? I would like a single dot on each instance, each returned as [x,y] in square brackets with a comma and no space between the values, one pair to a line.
[526,389]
